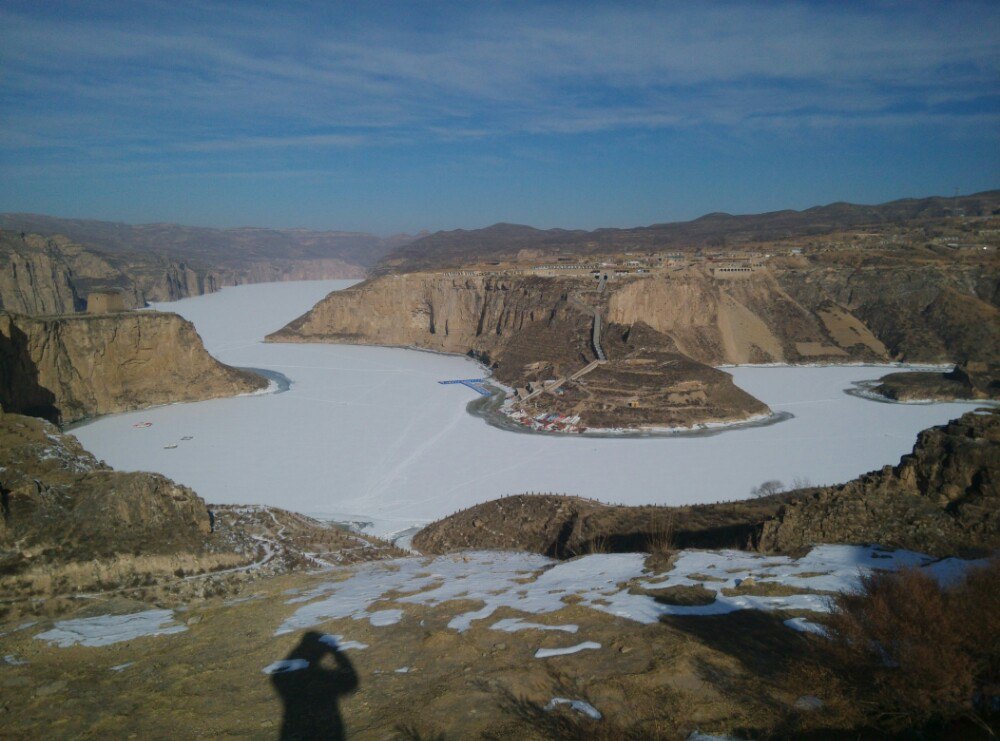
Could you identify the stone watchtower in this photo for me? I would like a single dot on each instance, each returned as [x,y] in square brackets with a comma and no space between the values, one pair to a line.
[105,302]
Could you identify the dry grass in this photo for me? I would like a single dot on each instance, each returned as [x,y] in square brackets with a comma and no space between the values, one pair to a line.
[121,571]
[915,656]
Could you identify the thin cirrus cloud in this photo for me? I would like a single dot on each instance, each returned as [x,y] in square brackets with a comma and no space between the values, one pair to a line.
[99,84]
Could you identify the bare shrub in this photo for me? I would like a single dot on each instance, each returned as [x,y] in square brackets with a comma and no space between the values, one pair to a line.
[767,489]
[661,536]
[914,655]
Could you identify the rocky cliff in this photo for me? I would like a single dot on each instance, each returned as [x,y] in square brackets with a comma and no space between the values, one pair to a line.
[53,275]
[943,498]
[68,368]
[530,329]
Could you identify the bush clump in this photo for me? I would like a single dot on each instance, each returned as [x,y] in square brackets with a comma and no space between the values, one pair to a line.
[914,655]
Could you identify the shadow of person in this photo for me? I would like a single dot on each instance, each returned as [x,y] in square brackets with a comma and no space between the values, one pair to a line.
[310,691]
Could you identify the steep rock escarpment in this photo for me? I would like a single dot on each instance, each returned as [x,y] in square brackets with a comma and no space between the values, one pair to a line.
[823,314]
[35,277]
[530,329]
[943,498]
[52,275]
[920,312]
[68,368]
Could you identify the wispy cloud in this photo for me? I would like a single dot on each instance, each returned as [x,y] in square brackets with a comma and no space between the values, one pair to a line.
[187,86]
[300,77]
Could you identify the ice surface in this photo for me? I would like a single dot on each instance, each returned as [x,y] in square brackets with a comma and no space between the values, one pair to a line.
[608,583]
[107,629]
[545,653]
[367,434]
[579,706]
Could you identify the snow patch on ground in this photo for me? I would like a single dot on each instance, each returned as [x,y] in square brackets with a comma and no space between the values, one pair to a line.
[807,626]
[545,653]
[107,629]
[512,625]
[578,705]
[337,643]
[286,665]
[533,584]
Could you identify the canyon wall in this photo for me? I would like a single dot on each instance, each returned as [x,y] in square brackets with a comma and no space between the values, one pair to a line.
[817,314]
[52,275]
[68,368]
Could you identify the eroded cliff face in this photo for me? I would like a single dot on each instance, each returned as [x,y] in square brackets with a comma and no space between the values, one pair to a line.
[920,312]
[68,368]
[810,313]
[35,279]
[48,276]
[435,312]
[530,329]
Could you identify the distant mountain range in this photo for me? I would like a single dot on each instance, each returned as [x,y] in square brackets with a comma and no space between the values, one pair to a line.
[203,247]
[505,241]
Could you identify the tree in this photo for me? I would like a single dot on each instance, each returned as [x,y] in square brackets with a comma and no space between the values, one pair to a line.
[767,489]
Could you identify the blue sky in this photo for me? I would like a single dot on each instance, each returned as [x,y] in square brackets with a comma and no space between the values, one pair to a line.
[390,117]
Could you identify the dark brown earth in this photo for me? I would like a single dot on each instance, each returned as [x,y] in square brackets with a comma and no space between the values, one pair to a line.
[942,499]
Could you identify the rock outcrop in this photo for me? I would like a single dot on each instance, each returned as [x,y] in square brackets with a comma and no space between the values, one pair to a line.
[975,380]
[71,367]
[60,504]
[565,526]
[943,498]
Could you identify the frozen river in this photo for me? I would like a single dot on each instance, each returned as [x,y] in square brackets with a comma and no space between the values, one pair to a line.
[367,434]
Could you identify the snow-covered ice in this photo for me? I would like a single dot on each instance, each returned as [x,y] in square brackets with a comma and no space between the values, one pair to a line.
[366,434]
[104,630]
[545,653]
[580,706]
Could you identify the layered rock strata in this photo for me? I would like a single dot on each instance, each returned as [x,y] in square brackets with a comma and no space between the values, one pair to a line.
[71,367]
